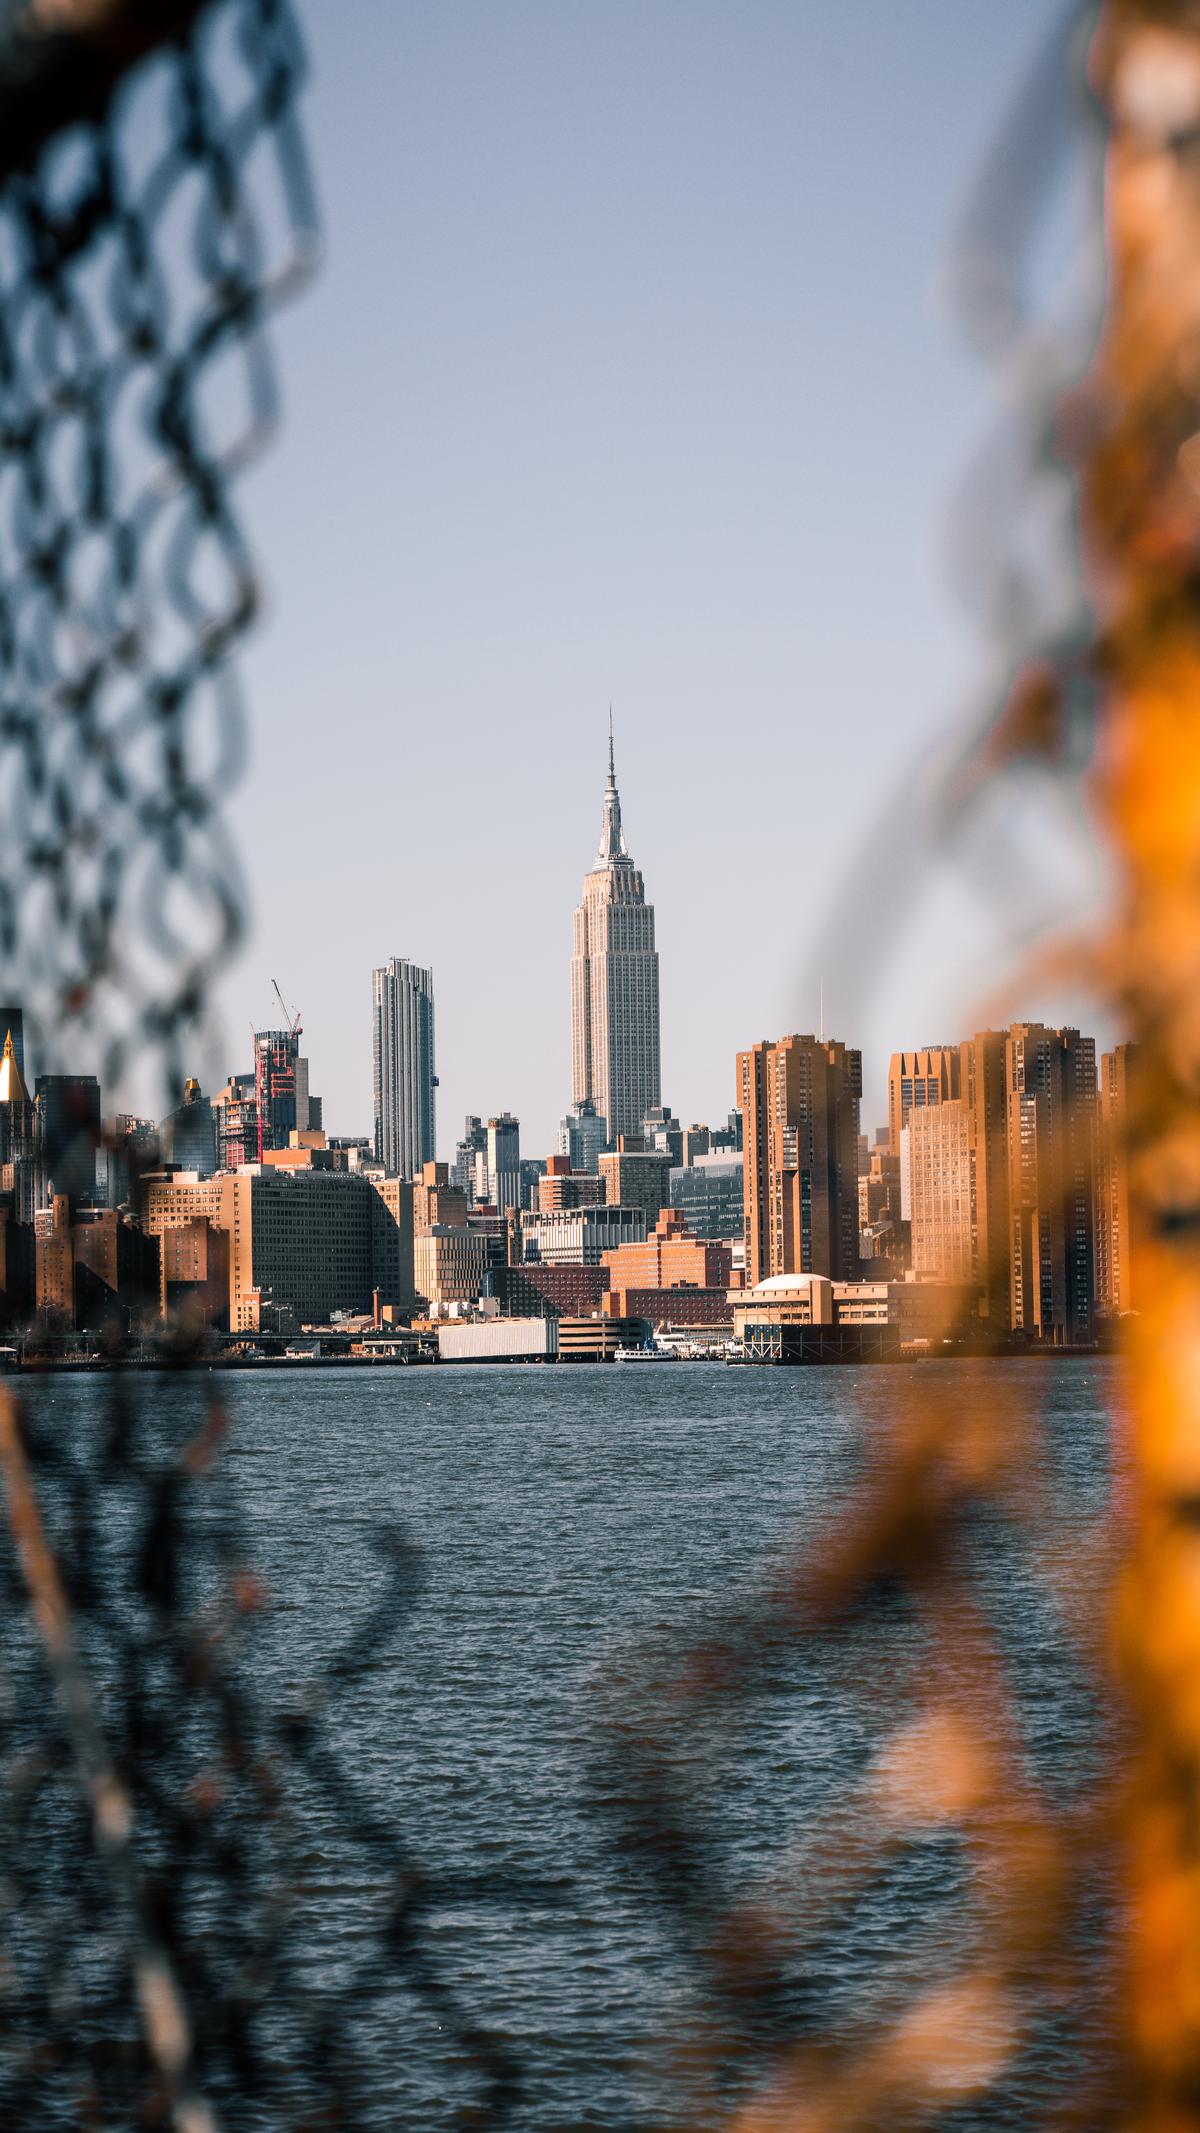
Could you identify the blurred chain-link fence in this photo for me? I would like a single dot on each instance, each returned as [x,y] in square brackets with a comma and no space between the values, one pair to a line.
[160,1957]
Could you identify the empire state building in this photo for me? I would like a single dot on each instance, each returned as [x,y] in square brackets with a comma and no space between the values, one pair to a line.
[614,983]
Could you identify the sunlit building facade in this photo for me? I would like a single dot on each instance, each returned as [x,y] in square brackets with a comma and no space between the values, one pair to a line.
[917,1080]
[799,1100]
[939,1168]
[614,984]
[1114,1248]
[405,1074]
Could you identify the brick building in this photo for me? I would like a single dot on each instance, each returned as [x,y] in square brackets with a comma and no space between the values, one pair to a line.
[304,1243]
[560,1186]
[195,1273]
[437,1202]
[709,1309]
[670,1258]
[799,1100]
[534,1291]
[95,1271]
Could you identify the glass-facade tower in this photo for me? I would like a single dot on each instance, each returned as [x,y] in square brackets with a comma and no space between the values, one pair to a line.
[405,1079]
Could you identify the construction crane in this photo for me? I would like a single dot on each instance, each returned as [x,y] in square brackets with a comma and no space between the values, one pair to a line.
[294,1028]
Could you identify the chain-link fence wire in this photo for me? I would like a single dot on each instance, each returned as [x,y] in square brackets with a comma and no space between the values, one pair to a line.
[155,1806]
[142,251]
[1080,479]
[164,1959]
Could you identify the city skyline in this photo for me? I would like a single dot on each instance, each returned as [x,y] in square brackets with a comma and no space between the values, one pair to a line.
[710,561]
[997,1193]
[629,487]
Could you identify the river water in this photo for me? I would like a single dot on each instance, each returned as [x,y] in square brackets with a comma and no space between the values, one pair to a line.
[566,1521]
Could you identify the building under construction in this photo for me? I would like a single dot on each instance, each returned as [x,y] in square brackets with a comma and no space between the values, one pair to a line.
[281,1096]
[280,1087]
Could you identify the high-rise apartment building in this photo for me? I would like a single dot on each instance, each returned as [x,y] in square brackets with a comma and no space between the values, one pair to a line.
[235,1117]
[405,1078]
[614,984]
[1114,1251]
[559,1186]
[983,1079]
[918,1079]
[939,1171]
[799,1101]
[1051,1078]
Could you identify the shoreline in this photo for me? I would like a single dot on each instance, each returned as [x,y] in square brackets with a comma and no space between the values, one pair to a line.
[169,1366]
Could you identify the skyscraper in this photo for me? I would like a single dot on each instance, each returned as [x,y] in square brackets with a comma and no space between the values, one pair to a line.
[1114,1246]
[583,1136]
[939,1172]
[188,1135]
[614,983]
[983,1078]
[405,1080]
[69,1111]
[918,1079]
[280,1087]
[504,1161]
[469,1152]
[799,1101]
[1052,1103]
[19,1137]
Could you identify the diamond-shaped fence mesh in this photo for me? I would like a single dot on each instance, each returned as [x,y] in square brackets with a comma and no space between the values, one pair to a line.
[169,1949]
[142,251]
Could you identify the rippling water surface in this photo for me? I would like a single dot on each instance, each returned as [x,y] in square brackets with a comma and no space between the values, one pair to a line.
[567,1519]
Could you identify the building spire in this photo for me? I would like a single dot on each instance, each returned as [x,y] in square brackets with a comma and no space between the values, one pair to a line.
[12,1086]
[612,836]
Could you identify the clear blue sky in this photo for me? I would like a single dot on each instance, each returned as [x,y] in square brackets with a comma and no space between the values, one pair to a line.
[625,379]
